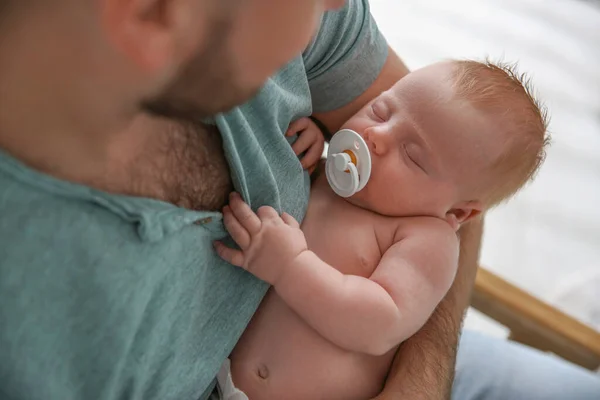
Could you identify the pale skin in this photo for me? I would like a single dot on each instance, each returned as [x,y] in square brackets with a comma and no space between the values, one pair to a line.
[423,367]
[361,275]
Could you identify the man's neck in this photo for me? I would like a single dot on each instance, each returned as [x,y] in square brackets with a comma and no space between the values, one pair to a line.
[55,143]
[152,157]
[77,132]
[58,129]
[58,112]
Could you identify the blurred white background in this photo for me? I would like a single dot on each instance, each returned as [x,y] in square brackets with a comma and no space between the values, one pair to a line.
[547,240]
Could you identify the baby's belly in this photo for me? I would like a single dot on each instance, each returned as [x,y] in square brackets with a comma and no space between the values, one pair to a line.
[280,357]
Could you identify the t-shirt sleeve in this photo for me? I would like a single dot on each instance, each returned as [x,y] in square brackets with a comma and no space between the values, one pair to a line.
[345,57]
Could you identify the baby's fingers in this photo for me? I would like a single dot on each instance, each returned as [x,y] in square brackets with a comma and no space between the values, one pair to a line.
[313,155]
[237,232]
[232,256]
[244,214]
[298,126]
[304,142]
[268,213]
[289,220]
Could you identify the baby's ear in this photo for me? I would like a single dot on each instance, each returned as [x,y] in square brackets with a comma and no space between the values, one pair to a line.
[463,212]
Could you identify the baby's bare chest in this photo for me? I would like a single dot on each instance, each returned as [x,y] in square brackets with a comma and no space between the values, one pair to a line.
[349,240]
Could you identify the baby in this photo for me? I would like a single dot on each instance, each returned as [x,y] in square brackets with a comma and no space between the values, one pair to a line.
[364,273]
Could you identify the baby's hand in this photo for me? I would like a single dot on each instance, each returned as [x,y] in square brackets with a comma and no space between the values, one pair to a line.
[268,243]
[310,140]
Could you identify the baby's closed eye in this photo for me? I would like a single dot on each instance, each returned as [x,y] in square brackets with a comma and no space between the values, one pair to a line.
[380,111]
[413,154]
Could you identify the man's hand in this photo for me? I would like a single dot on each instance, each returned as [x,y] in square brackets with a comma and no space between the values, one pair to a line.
[268,243]
[310,140]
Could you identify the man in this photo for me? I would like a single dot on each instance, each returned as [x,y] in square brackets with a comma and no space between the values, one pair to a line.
[110,285]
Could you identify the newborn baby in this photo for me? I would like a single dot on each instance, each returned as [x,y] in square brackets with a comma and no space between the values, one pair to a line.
[364,273]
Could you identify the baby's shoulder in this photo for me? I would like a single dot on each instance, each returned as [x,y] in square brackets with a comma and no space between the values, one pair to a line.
[433,230]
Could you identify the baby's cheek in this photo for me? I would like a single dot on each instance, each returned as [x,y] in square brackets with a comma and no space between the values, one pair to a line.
[412,187]
[357,123]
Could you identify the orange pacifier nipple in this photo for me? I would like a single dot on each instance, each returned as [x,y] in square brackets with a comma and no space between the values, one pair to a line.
[353,159]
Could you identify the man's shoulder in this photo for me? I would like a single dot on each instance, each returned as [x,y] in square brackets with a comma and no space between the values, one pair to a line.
[26,208]
[44,226]
[82,286]
[20,198]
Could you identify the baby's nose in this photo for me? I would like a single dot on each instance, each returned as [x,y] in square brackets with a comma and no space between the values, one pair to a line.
[376,140]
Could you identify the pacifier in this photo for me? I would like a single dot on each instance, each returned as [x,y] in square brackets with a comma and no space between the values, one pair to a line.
[348,165]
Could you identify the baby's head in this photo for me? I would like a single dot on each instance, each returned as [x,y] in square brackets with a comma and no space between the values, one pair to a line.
[451,140]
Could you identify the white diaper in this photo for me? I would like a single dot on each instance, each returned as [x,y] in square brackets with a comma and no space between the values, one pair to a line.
[226,386]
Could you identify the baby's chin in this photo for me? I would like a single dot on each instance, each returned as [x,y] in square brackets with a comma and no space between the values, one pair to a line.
[367,200]
[356,201]
[359,200]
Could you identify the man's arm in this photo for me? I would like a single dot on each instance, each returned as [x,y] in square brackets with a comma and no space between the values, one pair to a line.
[348,64]
[393,70]
[424,365]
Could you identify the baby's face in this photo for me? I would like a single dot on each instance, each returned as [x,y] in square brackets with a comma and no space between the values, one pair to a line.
[428,147]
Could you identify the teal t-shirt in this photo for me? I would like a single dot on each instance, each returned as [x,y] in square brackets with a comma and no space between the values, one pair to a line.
[116,297]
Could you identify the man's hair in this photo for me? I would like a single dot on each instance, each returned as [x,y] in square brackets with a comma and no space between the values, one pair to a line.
[498,88]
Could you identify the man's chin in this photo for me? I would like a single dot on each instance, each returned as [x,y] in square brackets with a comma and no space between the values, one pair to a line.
[236,101]
[196,112]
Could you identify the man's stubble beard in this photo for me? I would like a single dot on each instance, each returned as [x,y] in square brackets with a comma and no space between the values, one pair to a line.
[208,84]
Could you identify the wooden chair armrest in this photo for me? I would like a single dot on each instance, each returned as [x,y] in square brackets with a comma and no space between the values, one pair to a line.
[535,323]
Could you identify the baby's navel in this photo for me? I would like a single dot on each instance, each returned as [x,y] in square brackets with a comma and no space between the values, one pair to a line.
[262,371]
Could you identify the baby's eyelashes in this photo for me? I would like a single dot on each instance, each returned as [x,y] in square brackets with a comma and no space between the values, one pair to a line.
[413,157]
[374,116]
[379,111]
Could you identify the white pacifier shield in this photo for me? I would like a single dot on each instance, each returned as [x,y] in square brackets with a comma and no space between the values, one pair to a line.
[343,176]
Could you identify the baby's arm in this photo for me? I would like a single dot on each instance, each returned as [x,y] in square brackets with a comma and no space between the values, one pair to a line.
[369,315]
[376,314]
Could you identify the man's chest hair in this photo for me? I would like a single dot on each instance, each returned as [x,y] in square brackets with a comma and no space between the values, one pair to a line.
[184,165]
